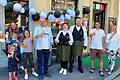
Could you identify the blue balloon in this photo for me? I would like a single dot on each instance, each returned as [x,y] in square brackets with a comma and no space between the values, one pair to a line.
[51,18]
[43,15]
[72,13]
[68,11]
[61,18]
[67,17]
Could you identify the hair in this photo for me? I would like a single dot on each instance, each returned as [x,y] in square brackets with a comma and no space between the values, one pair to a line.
[98,22]
[65,23]
[77,18]
[25,31]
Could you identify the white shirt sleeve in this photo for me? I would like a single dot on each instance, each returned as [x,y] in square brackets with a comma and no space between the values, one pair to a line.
[71,38]
[118,40]
[57,37]
[85,36]
[35,32]
[107,38]
[51,37]
[103,33]
[71,28]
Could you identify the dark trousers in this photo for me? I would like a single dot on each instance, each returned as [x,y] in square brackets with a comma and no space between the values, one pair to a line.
[64,64]
[40,54]
[71,61]
[28,56]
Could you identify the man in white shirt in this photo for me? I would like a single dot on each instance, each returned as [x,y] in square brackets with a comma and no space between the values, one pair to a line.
[97,46]
[112,45]
[44,40]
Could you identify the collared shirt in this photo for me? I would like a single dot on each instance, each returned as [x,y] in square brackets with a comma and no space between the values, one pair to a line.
[114,43]
[85,33]
[96,40]
[64,33]
[39,42]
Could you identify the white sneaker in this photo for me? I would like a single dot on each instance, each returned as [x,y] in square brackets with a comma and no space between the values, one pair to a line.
[65,72]
[61,71]
[21,67]
[35,74]
[26,76]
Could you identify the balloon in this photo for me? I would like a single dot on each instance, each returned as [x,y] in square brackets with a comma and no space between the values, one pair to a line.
[32,11]
[51,18]
[26,7]
[86,10]
[3,2]
[61,18]
[57,13]
[17,7]
[72,13]
[35,17]
[64,12]
[68,11]
[23,10]
[67,17]
[77,12]
[9,6]
[43,15]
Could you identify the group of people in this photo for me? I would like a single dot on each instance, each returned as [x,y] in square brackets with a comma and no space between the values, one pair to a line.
[71,43]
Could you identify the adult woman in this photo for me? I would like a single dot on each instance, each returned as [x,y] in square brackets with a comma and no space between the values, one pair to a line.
[64,39]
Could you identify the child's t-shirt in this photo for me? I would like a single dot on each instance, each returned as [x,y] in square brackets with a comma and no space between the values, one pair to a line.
[28,43]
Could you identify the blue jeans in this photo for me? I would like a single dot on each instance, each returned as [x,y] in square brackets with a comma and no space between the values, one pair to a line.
[40,54]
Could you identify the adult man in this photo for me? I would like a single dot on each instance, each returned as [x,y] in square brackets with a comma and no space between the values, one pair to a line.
[44,40]
[80,43]
[97,45]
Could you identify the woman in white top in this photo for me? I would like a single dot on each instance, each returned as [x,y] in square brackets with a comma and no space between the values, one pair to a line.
[64,39]
[112,45]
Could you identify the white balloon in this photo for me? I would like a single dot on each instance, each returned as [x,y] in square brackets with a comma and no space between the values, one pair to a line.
[43,15]
[17,7]
[3,2]
[33,11]
[23,10]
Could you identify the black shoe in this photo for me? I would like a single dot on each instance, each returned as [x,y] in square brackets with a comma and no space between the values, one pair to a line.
[39,78]
[48,75]
[70,69]
[81,70]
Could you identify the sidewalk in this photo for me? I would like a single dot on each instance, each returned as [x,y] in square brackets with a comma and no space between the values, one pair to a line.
[76,75]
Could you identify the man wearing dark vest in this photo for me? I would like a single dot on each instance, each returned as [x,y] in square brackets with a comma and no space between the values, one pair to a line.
[80,42]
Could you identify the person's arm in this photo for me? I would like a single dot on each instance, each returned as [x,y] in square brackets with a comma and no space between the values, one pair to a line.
[85,38]
[51,40]
[71,38]
[92,33]
[57,38]
[71,29]
[36,35]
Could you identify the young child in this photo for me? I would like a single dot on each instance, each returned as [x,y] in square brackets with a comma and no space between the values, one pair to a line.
[14,41]
[12,64]
[27,53]
[64,39]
